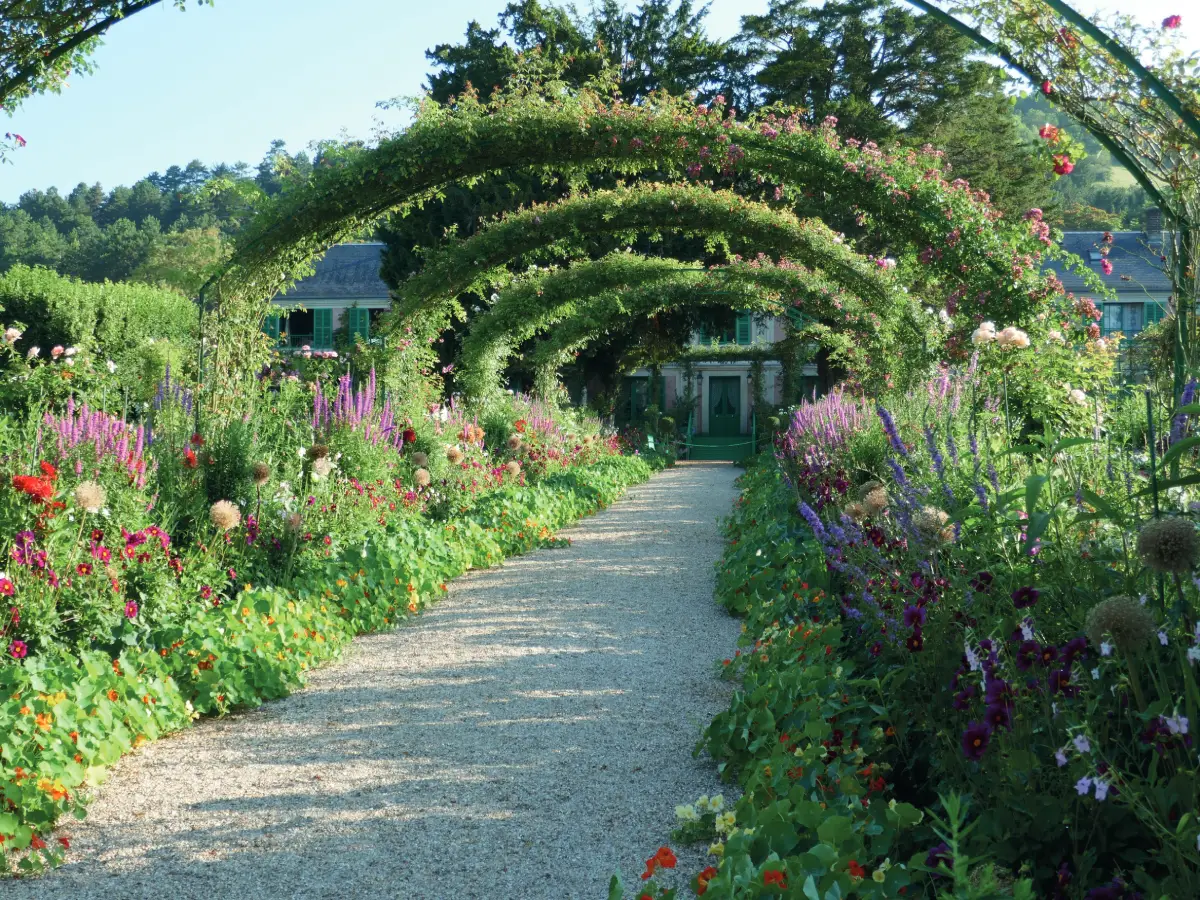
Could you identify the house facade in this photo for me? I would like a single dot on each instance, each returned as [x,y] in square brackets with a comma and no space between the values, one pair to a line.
[722,392]
[1142,288]
[344,291]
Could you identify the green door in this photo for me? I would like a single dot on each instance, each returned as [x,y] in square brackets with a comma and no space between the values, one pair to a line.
[725,406]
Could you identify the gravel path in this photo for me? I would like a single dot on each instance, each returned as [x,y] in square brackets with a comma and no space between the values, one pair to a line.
[527,737]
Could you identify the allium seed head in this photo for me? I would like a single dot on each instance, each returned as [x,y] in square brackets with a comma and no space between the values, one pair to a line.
[1127,622]
[513,468]
[421,477]
[90,496]
[1169,545]
[224,515]
[420,459]
[261,473]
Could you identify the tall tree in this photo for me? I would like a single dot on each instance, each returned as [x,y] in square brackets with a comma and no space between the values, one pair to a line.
[876,66]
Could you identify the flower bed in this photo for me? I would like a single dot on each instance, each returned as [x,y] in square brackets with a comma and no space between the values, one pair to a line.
[66,718]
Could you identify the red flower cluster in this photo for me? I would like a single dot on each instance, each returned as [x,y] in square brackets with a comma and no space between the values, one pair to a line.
[776,878]
[1063,164]
[703,879]
[39,489]
[663,859]
[1049,133]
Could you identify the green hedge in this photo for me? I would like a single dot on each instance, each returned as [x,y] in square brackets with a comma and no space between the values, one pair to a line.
[64,720]
[115,319]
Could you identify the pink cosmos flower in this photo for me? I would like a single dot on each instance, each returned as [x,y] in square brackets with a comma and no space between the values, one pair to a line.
[131,610]
[18,650]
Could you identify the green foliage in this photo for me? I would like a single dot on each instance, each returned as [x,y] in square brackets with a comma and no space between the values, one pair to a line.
[118,322]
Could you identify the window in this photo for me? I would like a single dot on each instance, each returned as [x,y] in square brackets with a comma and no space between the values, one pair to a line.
[745,328]
[322,329]
[1123,317]
[271,328]
[358,323]
[298,326]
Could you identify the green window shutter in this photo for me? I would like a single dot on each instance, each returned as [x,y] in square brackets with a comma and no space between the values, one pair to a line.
[322,329]
[702,337]
[745,328]
[360,323]
[1154,312]
[271,328]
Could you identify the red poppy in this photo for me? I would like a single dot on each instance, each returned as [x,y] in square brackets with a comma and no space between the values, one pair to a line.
[49,471]
[189,459]
[409,435]
[38,489]
[855,870]
[197,441]
[520,425]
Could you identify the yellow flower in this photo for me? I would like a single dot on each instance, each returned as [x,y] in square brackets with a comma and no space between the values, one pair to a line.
[702,802]
[716,803]
[878,875]
[717,849]
[686,813]
[725,821]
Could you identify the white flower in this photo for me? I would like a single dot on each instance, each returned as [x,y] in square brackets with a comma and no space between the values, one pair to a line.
[1177,724]
[984,334]
[1193,654]
[1096,674]
[300,452]
[69,361]
[1083,786]
[1101,789]
[1056,337]
[1026,630]
[1078,397]
[944,316]
[1105,649]
[71,351]
[1101,344]
[1082,744]
[33,352]
[1013,337]
[12,335]
[112,366]
[717,803]
[1162,638]
[1060,757]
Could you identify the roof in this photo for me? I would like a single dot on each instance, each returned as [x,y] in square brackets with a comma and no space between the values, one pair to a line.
[1131,256]
[347,271]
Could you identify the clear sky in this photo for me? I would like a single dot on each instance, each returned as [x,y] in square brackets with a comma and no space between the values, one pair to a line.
[219,83]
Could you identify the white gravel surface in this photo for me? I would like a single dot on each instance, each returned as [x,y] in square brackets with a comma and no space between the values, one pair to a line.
[526,738]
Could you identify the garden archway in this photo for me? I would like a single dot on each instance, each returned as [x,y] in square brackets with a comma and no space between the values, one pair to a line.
[970,254]
[546,299]
[722,217]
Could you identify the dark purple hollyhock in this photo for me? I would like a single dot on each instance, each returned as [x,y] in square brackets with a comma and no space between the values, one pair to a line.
[975,740]
[917,580]
[999,717]
[1028,654]
[1000,693]
[1060,683]
[1073,649]
[962,700]
[1024,597]
[914,616]
[939,853]
[915,642]
[982,582]
[1047,655]
[876,648]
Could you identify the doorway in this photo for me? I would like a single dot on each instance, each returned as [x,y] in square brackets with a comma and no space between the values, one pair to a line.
[725,406]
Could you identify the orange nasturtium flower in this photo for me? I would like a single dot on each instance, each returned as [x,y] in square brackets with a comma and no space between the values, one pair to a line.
[663,858]
[774,877]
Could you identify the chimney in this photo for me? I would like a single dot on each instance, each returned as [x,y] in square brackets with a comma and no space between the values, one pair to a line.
[1154,227]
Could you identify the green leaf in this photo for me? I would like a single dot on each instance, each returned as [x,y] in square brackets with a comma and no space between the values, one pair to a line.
[1033,490]
[835,829]
[1068,443]
[616,889]
[1038,523]
[810,889]
[1178,448]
